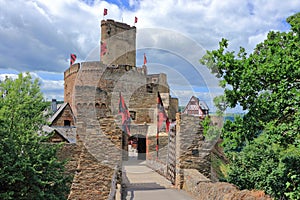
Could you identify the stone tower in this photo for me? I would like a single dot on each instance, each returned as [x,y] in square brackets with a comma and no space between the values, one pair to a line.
[118,43]
[70,76]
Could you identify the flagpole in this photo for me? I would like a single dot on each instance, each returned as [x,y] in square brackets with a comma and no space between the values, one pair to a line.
[157,131]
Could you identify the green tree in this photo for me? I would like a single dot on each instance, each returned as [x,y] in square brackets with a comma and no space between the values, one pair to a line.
[29,168]
[266,83]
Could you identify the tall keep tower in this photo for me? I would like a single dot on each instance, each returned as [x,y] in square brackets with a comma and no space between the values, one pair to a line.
[118,43]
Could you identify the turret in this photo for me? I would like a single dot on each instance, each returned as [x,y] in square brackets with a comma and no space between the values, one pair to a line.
[118,43]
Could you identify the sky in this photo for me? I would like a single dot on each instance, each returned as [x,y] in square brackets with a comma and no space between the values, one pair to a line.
[38,36]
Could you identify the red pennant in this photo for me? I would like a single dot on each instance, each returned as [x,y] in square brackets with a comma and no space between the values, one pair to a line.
[145,59]
[126,120]
[73,59]
[161,114]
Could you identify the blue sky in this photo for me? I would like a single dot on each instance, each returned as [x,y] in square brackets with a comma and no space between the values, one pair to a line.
[39,35]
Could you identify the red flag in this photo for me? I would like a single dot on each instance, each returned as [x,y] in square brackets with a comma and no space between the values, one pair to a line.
[104,12]
[73,58]
[145,59]
[135,19]
[161,114]
[161,117]
[125,115]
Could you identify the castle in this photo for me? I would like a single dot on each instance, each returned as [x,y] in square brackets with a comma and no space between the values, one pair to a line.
[90,124]
[91,111]
[117,72]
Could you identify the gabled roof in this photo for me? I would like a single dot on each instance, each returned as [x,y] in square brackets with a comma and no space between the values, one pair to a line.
[201,104]
[68,133]
[59,110]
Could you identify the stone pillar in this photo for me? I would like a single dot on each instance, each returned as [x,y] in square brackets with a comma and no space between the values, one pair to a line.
[190,153]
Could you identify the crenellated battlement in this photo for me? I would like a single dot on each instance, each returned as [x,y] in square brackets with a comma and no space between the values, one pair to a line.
[122,26]
[96,73]
[71,70]
[98,66]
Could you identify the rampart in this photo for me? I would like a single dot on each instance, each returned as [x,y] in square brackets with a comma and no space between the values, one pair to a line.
[203,189]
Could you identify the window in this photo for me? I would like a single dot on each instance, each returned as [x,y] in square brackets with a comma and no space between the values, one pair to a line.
[149,88]
[67,123]
[132,115]
[154,80]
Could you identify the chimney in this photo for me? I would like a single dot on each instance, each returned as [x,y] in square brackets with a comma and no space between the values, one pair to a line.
[54,105]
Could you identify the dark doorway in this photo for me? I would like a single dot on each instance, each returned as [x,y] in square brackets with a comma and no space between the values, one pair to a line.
[141,148]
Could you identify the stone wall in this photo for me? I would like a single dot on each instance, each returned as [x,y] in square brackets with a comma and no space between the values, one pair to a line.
[144,105]
[69,80]
[70,153]
[57,138]
[203,189]
[173,108]
[190,153]
[118,43]
[92,180]
[158,162]
[100,141]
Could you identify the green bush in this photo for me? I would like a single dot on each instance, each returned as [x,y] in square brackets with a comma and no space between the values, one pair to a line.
[29,169]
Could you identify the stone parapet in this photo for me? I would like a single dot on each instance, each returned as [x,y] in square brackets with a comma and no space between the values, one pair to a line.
[203,189]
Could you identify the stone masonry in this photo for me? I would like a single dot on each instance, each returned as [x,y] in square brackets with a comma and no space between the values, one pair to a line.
[69,79]
[190,153]
[118,43]
[93,91]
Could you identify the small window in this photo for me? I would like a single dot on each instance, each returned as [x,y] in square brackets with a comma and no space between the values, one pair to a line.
[67,123]
[154,80]
[132,115]
[149,88]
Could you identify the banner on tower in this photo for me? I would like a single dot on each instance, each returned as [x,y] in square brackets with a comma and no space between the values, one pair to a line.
[145,59]
[161,118]
[126,120]
[72,59]
[161,115]
[104,12]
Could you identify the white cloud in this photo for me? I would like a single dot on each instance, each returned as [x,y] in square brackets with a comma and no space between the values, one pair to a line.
[4,76]
[39,35]
[256,39]
[52,89]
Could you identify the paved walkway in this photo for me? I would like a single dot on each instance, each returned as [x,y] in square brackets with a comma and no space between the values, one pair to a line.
[142,183]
